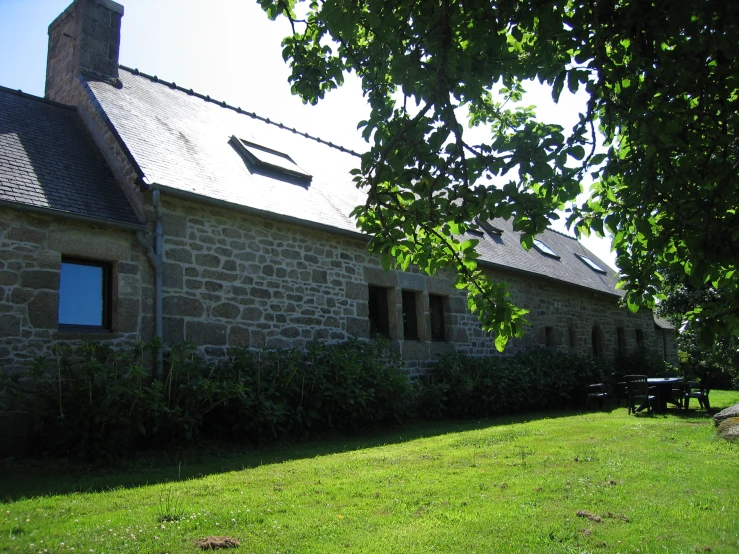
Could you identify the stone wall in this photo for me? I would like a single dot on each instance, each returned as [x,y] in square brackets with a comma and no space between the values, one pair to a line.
[86,36]
[233,279]
[31,251]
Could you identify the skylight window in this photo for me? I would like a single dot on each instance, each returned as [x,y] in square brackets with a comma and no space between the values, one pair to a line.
[489,228]
[544,249]
[266,158]
[590,263]
[476,233]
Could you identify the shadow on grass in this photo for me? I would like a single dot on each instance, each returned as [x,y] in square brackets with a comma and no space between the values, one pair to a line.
[31,477]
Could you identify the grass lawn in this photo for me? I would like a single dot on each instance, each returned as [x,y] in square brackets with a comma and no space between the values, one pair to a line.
[600,482]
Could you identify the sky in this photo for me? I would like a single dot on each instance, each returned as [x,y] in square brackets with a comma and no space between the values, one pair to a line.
[227,49]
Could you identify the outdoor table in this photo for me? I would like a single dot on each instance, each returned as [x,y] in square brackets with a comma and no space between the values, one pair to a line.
[664,389]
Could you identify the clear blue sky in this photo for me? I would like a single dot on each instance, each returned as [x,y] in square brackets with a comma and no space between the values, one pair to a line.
[225,48]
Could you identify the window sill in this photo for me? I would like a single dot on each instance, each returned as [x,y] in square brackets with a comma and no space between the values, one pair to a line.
[85,333]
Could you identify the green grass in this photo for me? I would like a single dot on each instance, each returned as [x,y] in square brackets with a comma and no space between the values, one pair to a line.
[662,484]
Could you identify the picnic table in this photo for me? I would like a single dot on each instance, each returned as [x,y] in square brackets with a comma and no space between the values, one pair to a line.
[664,386]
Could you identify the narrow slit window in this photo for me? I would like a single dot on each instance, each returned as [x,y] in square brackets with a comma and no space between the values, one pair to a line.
[621,336]
[590,263]
[410,316]
[84,295]
[436,311]
[378,312]
[549,333]
[544,249]
[267,158]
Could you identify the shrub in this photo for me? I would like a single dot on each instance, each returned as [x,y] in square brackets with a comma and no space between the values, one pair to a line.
[461,386]
[341,387]
[639,362]
[96,401]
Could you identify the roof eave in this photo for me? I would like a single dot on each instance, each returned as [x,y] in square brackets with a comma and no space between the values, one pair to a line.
[42,210]
[195,197]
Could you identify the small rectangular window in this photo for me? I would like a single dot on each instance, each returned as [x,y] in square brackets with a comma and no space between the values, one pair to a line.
[378,312]
[266,158]
[436,311]
[549,335]
[572,337]
[410,317]
[492,230]
[84,294]
[639,338]
[544,249]
[590,263]
[621,335]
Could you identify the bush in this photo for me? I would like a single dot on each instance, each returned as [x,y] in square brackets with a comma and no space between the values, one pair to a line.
[461,386]
[95,401]
[342,387]
[639,362]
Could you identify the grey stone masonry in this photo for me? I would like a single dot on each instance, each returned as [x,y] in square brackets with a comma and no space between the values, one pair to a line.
[86,36]
[233,279]
[31,251]
[237,280]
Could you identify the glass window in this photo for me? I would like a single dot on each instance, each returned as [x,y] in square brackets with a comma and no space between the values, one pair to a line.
[410,318]
[590,263]
[639,338]
[84,294]
[436,311]
[378,312]
[264,157]
[544,249]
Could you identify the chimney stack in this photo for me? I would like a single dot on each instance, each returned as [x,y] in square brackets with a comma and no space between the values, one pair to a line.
[85,37]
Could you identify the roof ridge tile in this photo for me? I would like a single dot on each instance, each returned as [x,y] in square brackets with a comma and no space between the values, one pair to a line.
[553,230]
[239,110]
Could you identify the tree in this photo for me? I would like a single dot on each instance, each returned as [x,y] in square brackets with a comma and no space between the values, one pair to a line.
[706,350]
[663,85]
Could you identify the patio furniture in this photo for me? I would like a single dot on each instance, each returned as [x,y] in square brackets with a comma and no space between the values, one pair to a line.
[663,388]
[698,390]
[622,393]
[597,391]
[640,394]
[677,393]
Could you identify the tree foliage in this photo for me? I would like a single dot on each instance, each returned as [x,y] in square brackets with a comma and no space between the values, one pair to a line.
[452,144]
[705,349]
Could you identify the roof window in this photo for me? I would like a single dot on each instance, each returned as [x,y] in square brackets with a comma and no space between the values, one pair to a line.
[544,249]
[590,263]
[489,228]
[266,158]
[476,233]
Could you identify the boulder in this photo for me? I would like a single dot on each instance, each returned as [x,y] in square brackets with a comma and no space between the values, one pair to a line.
[729,429]
[731,411]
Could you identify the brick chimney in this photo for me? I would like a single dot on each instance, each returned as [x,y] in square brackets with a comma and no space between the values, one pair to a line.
[85,37]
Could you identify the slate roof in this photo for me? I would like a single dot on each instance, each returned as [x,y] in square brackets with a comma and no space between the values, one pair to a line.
[180,140]
[49,161]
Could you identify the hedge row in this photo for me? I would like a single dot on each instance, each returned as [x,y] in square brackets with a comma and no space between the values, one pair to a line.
[94,401]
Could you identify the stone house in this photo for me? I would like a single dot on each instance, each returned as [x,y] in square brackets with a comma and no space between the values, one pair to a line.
[131,208]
